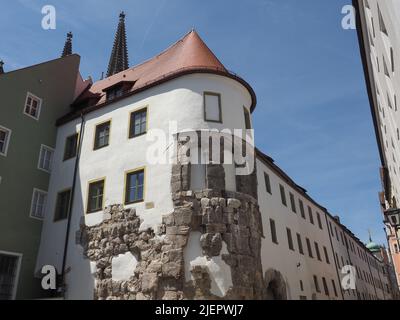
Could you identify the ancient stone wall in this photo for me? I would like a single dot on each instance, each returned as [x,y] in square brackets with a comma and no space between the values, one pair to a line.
[229,228]
[160,269]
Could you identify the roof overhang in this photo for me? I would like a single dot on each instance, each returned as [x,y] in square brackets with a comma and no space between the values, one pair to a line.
[180,73]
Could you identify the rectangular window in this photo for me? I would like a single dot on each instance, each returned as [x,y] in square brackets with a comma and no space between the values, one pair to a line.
[5,135]
[300,244]
[247,120]
[382,26]
[38,205]
[62,205]
[319,221]
[138,123]
[317,251]
[326,255]
[385,67]
[267,183]
[325,286]
[301,205]
[283,195]
[337,235]
[45,158]
[392,58]
[274,237]
[9,269]
[212,107]
[290,239]
[134,189]
[330,225]
[71,146]
[33,105]
[293,203]
[310,214]
[310,254]
[102,135]
[95,196]
[316,284]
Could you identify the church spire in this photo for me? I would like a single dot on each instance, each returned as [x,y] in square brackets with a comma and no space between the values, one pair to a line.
[119,56]
[68,45]
[1,67]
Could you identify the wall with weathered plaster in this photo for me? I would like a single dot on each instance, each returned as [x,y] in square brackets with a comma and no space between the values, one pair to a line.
[179,100]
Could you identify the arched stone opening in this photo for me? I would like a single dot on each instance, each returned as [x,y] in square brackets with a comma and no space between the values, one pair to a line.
[275,285]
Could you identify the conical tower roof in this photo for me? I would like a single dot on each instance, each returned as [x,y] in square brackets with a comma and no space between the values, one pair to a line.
[189,55]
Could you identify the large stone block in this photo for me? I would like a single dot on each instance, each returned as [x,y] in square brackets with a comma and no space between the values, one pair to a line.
[183,216]
[149,282]
[211,244]
[234,203]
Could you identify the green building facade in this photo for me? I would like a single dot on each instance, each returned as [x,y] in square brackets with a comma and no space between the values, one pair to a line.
[31,101]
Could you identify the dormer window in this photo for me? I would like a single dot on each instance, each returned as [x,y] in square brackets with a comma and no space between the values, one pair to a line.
[118,89]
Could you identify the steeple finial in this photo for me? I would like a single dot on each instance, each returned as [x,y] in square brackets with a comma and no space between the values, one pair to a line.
[1,67]
[68,45]
[370,235]
[119,55]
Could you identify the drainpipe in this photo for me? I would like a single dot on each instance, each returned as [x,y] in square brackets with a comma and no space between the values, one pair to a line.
[62,287]
[334,257]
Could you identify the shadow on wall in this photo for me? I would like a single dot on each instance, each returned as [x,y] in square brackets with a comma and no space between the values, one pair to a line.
[275,285]
[80,271]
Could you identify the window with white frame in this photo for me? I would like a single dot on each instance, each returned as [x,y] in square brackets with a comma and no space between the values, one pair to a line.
[32,106]
[5,135]
[38,204]
[9,273]
[45,158]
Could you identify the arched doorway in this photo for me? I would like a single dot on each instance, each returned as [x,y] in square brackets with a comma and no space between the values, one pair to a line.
[275,285]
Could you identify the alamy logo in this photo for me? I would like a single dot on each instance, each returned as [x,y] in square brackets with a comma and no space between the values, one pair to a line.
[49,278]
[349,278]
[349,20]
[49,20]
[204,147]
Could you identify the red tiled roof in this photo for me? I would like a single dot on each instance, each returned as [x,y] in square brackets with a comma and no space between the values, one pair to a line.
[189,55]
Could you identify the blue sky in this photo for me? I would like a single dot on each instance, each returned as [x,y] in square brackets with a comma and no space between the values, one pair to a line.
[312,116]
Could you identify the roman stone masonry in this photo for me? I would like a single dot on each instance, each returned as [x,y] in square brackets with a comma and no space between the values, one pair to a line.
[207,248]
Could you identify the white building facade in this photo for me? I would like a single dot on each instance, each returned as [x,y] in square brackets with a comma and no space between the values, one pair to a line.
[379,37]
[119,225]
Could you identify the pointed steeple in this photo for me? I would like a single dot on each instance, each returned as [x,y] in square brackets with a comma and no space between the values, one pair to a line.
[68,45]
[1,67]
[119,56]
